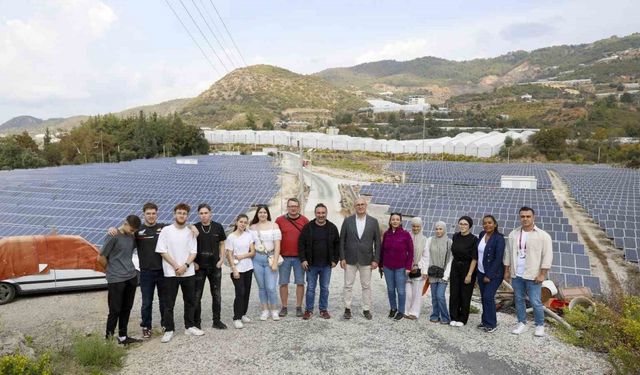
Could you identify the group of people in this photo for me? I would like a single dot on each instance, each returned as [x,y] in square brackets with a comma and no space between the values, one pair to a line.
[184,256]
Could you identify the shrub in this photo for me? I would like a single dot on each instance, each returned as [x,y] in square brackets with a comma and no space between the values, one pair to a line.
[95,352]
[18,364]
[608,330]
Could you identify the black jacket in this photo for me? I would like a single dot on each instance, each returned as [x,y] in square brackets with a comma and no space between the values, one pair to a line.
[305,243]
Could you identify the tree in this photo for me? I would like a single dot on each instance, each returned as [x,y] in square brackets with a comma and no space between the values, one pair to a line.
[250,121]
[551,142]
[267,125]
[508,141]
[626,98]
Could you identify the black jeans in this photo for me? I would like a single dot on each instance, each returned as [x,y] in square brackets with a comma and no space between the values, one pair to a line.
[120,299]
[243,290]
[215,279]
[149,281]
[459,292]
[188,287]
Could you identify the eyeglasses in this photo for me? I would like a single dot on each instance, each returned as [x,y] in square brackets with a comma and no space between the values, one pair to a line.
[360,204]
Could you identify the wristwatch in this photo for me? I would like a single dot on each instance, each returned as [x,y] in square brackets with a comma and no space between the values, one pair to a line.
[187,264]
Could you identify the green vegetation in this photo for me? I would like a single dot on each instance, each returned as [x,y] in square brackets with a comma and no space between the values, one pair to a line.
[105,138]
[510,92]
[97,354]
[265,92]
[18,364]
[612,328]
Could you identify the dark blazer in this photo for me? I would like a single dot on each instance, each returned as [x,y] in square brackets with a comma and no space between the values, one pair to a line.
[493,254]
[361,251]
[305,243]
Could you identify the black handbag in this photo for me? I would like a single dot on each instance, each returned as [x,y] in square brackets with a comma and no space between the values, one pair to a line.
[414,274]
[435,271]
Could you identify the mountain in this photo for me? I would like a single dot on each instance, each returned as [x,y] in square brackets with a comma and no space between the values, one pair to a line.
[19,123]
[444,78]
[162,109]
[268,93]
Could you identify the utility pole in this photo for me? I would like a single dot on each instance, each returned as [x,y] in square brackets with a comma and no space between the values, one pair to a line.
[301,177]
[101,147]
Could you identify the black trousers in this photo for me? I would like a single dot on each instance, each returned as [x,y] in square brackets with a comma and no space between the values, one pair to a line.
[215,279]
[120,298]
[243,290]
[188,287]
[459,292]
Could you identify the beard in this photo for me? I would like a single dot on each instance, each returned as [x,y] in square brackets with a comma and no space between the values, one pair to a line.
[181,222]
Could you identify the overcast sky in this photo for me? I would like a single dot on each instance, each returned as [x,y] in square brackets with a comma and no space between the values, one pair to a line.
[67,57]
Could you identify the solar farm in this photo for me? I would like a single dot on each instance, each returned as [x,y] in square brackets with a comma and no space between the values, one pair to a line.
[447,190]
[85,200]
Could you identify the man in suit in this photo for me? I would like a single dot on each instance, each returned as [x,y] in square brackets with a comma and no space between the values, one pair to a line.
[359,253]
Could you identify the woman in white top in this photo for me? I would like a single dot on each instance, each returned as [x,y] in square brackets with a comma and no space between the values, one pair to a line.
[440,257]
[266,236]
[418,274]
[240,249]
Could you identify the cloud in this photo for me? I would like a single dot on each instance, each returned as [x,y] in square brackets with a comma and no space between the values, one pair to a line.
[397,50]
[526,30]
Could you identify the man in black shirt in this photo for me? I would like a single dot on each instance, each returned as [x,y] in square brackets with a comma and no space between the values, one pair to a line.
[208,264]
[319,252]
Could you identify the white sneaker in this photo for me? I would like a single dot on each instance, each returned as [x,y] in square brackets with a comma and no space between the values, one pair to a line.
[193,331]
[238,324]
[459,324]
[168,335]
[265,314]
[274,315]
[453,323]
[246,319]
[539,331]
[521,327]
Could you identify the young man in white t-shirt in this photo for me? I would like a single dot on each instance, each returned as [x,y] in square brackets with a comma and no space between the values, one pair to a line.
[178,249]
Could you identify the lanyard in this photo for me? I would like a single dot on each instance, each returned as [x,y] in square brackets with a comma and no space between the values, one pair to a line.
[522,251]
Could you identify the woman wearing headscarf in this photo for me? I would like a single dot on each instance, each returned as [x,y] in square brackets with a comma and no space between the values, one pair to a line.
[418,273]
[464,248]
[438,268]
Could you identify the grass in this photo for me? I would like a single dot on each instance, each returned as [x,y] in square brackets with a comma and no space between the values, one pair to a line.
[97,354]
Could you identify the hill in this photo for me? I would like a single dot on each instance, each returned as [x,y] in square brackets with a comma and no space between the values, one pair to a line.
[267,93]
[444,78]
[19,123]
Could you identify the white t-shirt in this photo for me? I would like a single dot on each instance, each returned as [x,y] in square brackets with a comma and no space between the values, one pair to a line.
[522,253]
[239,245]
[481,246]
[268,238]
[360,225]
[179,243]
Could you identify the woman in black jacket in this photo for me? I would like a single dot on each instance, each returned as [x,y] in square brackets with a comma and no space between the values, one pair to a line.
[490,270]
[464,248]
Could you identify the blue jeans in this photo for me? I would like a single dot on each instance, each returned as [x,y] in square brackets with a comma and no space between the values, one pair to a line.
[488,295]
[285,271]
[439,303]
[324,273]
[520,288]
[149,280]
[396,282]
[266,278]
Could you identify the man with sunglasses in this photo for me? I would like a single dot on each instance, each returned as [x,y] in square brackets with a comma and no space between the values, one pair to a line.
[291,225]
[527,260]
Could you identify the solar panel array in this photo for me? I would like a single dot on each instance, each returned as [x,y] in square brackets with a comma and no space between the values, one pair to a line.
[612,198]
[85,200]
[466,173]
[571,265]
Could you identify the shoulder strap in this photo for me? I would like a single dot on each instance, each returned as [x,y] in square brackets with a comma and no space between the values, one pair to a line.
[293,223]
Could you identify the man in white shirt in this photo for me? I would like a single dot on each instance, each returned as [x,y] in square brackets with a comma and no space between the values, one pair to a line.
[527,260]
[178,249]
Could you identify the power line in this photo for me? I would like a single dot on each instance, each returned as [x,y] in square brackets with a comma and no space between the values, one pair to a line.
[232,51]
[205,37]
[212,33]
[192,38]
[229,33]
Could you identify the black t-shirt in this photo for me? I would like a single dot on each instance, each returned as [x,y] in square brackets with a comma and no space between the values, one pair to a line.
[464,248]
[209,244]
[146,241]
[321,256]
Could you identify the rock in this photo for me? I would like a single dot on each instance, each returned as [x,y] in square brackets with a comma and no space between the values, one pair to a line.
[12,342]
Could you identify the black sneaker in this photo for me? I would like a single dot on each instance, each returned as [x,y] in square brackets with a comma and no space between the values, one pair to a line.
[398,316]
[347,314]
[489,330]
[299,312]
[283,312]
[392,313]
[480,326]
[219,325]
[367,314]
[128,341]
[146,333]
